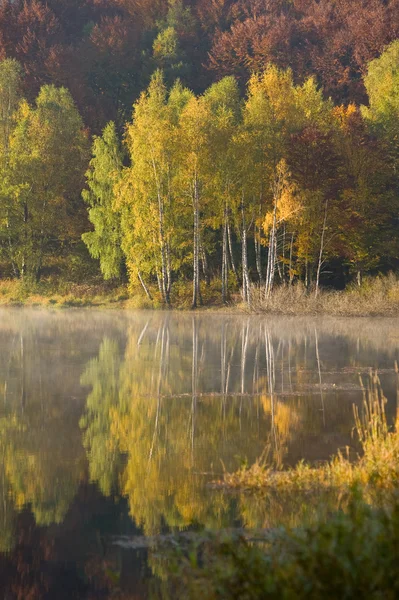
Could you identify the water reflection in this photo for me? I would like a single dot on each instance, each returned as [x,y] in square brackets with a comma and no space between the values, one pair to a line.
[112,424]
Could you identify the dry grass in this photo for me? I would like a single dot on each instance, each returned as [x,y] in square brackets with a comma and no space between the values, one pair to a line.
[60,294]
[377,466]
[377,296]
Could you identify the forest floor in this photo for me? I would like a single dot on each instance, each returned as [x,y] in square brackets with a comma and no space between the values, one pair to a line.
[377,296]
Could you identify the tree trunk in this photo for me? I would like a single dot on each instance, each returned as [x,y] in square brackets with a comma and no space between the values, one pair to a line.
[306,272]
[283,256]
[168,274]
[196,284]
[291,273]
[41,246]
[232,261]
[245,275]
[258,255]
[271,261]
[161,225]
[145,288]
[159,281]
[23,261]
[323,232]
[205,267]
[225,266]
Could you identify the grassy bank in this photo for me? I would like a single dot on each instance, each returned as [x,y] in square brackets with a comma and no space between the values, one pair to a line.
[61,294]
[377,296]
[377,465]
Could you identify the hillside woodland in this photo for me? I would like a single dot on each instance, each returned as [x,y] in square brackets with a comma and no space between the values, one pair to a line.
[163,143]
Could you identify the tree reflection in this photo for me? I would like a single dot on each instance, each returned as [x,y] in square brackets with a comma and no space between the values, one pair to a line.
[184,403]
[168,403]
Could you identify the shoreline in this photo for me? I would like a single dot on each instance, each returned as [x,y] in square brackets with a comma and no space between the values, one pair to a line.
[377,297]
[233,309]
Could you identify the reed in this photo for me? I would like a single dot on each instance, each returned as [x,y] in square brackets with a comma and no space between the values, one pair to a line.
[377,464]
[378,296]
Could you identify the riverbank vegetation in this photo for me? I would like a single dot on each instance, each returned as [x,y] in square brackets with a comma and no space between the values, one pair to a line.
[376,466]
[269,184]
[346,553]
[351,555]
[377,296]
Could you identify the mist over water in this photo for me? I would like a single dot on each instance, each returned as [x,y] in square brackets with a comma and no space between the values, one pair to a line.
[113,424]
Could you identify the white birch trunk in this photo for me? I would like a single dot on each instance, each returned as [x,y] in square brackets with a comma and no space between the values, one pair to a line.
[245,274]
[323,232]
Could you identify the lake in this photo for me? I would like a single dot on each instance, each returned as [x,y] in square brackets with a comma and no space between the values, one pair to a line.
[115,424]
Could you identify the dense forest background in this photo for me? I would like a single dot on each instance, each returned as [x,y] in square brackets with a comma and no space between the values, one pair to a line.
[263,145]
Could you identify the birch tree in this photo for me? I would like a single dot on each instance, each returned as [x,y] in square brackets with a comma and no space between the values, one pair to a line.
[223,104]
[269,114]
[150,221]
[194,168]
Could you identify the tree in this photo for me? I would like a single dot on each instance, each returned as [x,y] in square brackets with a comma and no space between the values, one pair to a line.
[222,101]
[382,85]
[10,84]
[104,243]
[48,150]
[10,96]
[195,164]
[151,221]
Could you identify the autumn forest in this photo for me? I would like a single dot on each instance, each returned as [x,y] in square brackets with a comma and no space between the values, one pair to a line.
[244,144]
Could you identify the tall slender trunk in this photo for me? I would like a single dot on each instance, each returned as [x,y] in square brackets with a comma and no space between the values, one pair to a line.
[42,239]
[205,267]
[306,272]
[196,282]
[291,273]
[272,255]
[258,254]
[225,265]
[231,255]
[162,241]
[283,256]
[145,288]
[323,232]
[246,294]
[25,221]
[168,272]
[158,280]
[10,247]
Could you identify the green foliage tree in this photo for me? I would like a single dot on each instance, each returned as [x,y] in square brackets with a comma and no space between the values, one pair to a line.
[222,103]
[105,241]
[10,83]
[48,150]
[382,85]
[151,219]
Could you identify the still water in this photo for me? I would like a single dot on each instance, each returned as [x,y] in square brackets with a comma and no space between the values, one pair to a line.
[114,424]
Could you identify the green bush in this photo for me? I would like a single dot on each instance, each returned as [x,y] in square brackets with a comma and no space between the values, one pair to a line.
[352,555]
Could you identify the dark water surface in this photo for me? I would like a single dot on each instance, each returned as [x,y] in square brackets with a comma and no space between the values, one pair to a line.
[112,425]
